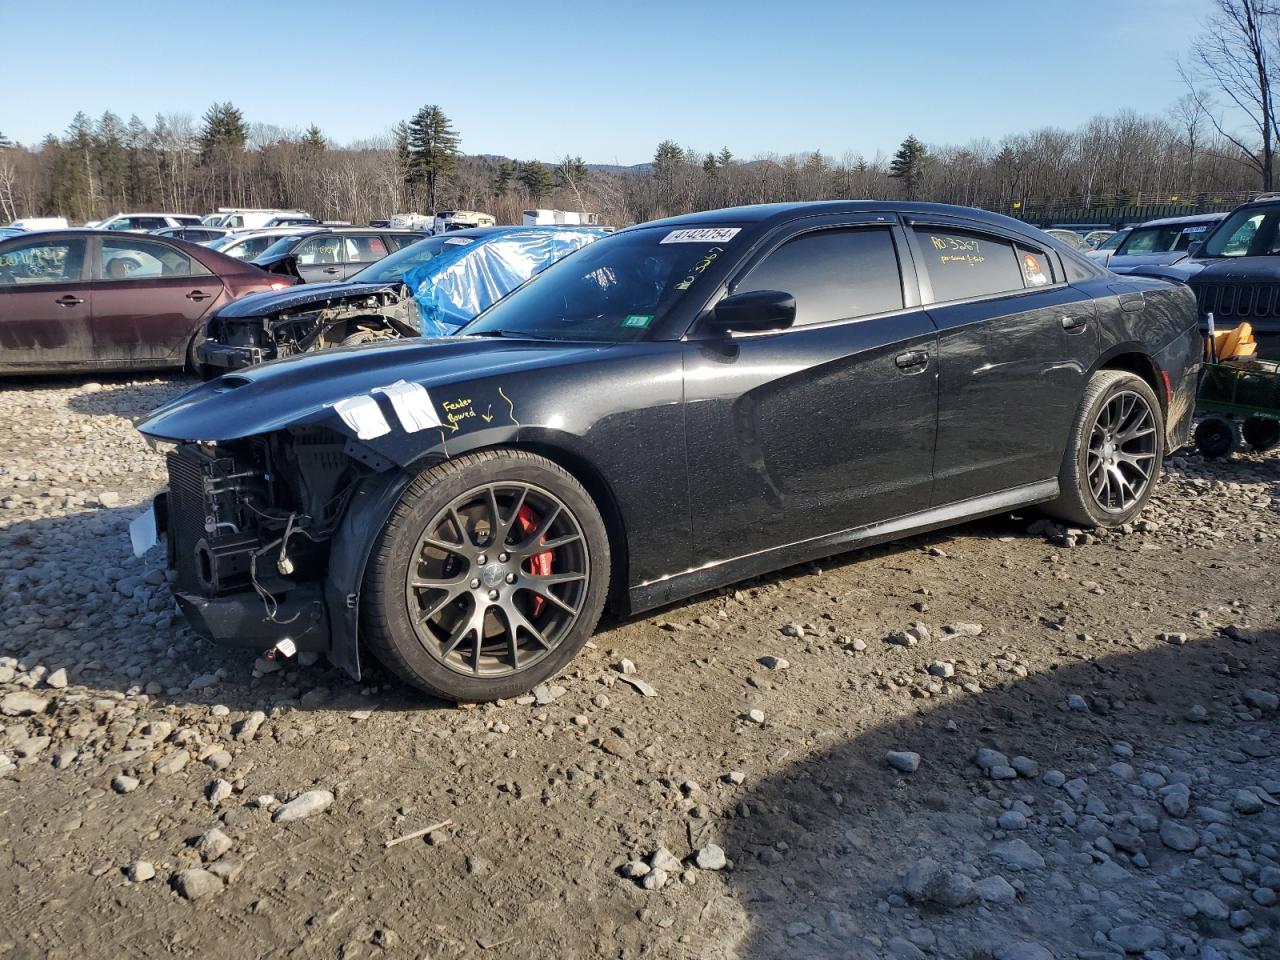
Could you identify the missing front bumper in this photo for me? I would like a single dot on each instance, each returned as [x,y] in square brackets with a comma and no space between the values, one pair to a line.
[240,621]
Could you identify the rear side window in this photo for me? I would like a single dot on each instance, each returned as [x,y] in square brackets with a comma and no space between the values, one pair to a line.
[125,258]
[833,274]
[321,250]
[42,261]
[365,249]
[966,265]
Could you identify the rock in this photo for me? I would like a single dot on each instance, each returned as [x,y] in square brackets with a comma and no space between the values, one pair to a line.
[1054,778]
[995,890]
[625,667]
[641,686]
[963,629]
[22,704]
[798,928]
[1077,703]
[1208,904]
[196,883]
[213,845]
[139,871]
[1022,950]
[1177,639]
[108,498]
[793,630]
[1178,836]
[1002,773]
[940,668]
[664,859]
[774,663]
[1258,699]
[1017,855]
[544,694]
[217,791]
[755,715]
[736,777]
[1012,820]
[245,730]
[1196,714]
[1026,767]
[218,760]
[301,807]
[987,758]
[927,881]
[172,762]
[654,880]
[1246,802]
[57,680]
[1137,937]
[710,857]
[124,784]
[1176,799]
[634,869]
[903,760]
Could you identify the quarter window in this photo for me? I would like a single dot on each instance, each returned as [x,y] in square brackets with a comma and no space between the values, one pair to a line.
[124,258]
[46,261]
[833,274]
[966,265]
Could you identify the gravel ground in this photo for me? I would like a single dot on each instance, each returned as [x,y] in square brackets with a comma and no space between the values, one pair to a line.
[1003,741]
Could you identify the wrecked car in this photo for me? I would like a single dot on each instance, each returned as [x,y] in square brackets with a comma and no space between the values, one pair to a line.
[673,408]
[430,287]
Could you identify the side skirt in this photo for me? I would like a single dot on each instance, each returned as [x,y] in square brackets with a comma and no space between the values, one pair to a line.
[655,593]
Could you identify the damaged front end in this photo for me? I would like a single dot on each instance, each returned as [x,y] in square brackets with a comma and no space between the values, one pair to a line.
[249,526]
[237,337]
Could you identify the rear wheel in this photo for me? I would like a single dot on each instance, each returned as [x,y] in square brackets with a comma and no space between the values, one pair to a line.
[1261,433]
[1114,452]
[1217,437]
[488,578]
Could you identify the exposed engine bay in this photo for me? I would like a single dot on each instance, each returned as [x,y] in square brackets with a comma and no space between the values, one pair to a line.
[382,314]
[257,514]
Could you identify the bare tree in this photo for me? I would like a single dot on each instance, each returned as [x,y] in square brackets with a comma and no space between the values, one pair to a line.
[1234,57]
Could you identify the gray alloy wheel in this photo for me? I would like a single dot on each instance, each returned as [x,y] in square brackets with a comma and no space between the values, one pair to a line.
[488,577]
[497,579]
[1114,452]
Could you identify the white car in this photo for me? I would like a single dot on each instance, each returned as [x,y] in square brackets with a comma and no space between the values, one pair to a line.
[239,218]
[144,222]
[247,244]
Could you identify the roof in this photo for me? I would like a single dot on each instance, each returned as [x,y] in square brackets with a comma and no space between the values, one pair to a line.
[1195,218]
[765,212]
[335,229]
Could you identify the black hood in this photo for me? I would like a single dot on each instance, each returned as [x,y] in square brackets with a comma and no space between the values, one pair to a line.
[314,295]
[1240,270]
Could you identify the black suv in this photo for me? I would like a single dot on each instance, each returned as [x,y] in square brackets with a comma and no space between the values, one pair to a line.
[1235,272]
[332,253]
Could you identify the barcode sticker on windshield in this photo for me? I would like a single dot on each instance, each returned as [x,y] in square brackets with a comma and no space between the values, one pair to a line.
[702,235]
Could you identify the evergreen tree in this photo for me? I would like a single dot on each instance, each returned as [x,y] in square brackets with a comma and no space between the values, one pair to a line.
[142,170]
[572,172]
[724,158]
[433,150]
[223,132]
[314,140]
[536,179]
[667,161]
[112,160]
[5,142]
[908,165]
[710,166]
[503,176]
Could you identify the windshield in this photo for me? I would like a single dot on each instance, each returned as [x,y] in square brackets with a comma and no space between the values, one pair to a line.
[1112,242]
[392,269]
[1173,237]
[283,245]
[617,289]
[1246,233]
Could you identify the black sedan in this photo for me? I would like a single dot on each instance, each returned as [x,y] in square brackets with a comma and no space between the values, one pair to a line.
[676,407]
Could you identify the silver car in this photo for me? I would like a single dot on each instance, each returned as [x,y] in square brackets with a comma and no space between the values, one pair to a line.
[1156,242]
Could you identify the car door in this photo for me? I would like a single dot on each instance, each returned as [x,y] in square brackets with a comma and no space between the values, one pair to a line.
[45,302]
[826,426]
[148,299]
[320,259]
[360,250]
[1015,346]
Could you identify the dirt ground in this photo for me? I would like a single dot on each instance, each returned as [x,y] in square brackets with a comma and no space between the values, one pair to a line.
[1124,687]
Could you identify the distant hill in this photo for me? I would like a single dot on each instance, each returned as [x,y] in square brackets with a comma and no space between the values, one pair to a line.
[637,168]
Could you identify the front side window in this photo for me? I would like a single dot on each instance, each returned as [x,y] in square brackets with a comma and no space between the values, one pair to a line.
[43,261]
[320,250]
[275,247]
[964,265]
[1113,242]
[833,274]
[128,259]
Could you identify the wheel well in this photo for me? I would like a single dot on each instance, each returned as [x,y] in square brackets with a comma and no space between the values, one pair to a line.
[1141,365]
[596,485]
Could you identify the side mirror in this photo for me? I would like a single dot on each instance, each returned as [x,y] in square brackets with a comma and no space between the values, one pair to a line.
[1193,247]
[753,312]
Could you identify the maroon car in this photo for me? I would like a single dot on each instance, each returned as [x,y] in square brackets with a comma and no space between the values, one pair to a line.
[76,300]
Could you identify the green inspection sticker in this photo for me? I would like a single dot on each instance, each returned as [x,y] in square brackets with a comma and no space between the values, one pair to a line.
[638,320]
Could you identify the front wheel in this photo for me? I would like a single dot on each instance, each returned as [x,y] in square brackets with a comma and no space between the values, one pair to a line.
[1114,452]
[488,578]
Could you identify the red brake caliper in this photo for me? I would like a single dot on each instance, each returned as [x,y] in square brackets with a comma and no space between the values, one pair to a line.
[540,565]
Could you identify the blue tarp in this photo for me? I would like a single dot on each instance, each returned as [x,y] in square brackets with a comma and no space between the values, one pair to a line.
[456,285]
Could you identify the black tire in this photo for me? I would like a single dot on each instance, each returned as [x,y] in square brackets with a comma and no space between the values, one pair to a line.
[360,336]
[480,581]
[1217,437]
[1261,433]
[193,356]
[1104,483]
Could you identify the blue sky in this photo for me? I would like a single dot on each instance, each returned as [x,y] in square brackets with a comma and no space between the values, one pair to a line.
[542,78]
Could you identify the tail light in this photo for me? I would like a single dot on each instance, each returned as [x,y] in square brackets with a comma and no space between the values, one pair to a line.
[278,286]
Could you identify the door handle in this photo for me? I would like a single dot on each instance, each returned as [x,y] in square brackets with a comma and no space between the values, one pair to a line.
[913,361]
[1072,323]
[198,295]
[68,301]
[332,270]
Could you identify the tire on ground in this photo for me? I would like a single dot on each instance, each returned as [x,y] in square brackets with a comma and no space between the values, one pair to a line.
[1217,437]
[1076,503]
[386,627]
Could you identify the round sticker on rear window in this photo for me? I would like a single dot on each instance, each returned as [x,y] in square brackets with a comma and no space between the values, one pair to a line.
[1032,270]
